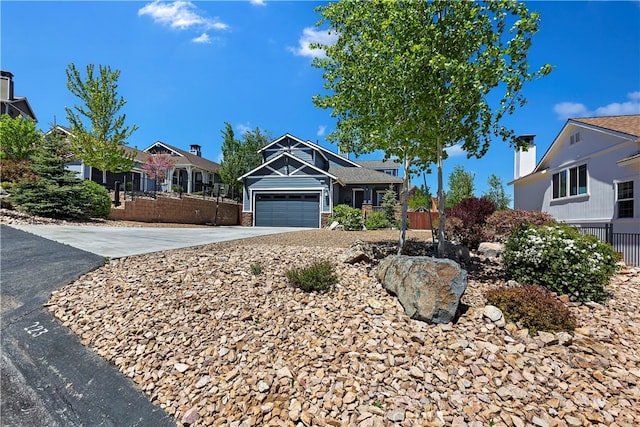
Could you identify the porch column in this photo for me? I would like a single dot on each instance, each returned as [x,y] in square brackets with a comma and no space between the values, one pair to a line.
[189,180]
[170,179]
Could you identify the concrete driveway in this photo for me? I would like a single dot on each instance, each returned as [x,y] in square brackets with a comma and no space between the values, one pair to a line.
[118,242]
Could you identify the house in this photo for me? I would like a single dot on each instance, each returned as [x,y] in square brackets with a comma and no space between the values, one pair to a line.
[191,171]
[14,106]
[299,183]
[589,176]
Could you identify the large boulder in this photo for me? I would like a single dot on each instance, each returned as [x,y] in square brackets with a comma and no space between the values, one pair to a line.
[428,288]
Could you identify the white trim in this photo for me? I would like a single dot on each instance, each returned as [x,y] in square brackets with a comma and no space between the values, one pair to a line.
[165,146]
[560,138]
[312,146]
[297,159]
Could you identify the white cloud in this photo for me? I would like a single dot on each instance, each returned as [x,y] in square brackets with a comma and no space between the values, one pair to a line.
[566,110]
[243,128]
[321,130]
[619,109]
[258,2]
[311,35]
[180,15]
[455,151]
[202,38]
[634,95]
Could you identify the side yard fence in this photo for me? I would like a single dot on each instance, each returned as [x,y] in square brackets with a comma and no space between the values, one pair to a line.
[628,244]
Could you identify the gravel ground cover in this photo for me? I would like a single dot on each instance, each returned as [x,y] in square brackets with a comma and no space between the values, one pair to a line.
[214,344]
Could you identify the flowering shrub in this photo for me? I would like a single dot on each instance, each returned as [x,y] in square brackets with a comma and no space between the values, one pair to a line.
[560,259]
[534,307]
[350,218]
[376,220]
[501,224]
[472,213]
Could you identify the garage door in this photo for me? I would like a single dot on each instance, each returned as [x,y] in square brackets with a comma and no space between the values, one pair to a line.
[287,210]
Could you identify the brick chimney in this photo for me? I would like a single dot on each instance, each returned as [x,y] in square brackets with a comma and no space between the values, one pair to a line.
[525,158]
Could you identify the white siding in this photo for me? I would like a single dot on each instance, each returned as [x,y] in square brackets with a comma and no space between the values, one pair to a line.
[600,152]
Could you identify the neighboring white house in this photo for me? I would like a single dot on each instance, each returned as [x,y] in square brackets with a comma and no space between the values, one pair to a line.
[589,176]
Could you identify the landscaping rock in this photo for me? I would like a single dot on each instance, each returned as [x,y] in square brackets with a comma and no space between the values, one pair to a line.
[429,289]
[490,250]
[492,313]
[458,253]
[358,252]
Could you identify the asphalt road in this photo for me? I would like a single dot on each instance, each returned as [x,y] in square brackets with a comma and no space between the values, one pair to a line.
[48,378]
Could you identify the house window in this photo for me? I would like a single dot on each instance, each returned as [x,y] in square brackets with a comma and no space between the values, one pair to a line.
[574,186]
[560,184]
[578,180]
[625,199]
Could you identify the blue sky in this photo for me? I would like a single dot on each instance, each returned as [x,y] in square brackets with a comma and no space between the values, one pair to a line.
[187,67]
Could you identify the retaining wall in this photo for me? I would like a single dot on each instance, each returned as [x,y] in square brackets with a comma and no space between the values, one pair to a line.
[187,210]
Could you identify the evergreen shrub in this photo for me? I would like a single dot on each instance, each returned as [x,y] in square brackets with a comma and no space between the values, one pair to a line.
[561,259]
[350,218]
[97,199]
[317,277]
[533,307]
[376,220]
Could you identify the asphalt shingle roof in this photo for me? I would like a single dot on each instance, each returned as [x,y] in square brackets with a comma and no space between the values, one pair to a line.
[625,124]
[362,176]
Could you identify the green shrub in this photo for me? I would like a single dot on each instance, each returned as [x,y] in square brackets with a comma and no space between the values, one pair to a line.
[350,218]
[534,307]
[318,277]
[256,269]
[177,188]
[560,259]
[376,220]
[501,224]
[97,199]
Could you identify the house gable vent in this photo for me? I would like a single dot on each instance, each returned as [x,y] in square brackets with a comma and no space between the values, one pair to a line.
[574,138]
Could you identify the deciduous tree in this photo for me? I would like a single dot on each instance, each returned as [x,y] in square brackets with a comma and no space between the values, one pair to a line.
[100,141]
[497,194]
[413,78]
[460,186]
[156,167]
[240,156]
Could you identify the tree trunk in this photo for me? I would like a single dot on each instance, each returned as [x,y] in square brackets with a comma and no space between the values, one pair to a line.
[104,177]
[404,205]
[441,220]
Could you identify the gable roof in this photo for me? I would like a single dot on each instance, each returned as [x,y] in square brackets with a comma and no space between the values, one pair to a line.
[190,158]
[362,176]
[280,156]
[623,124]
[626,127]
[323,151]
